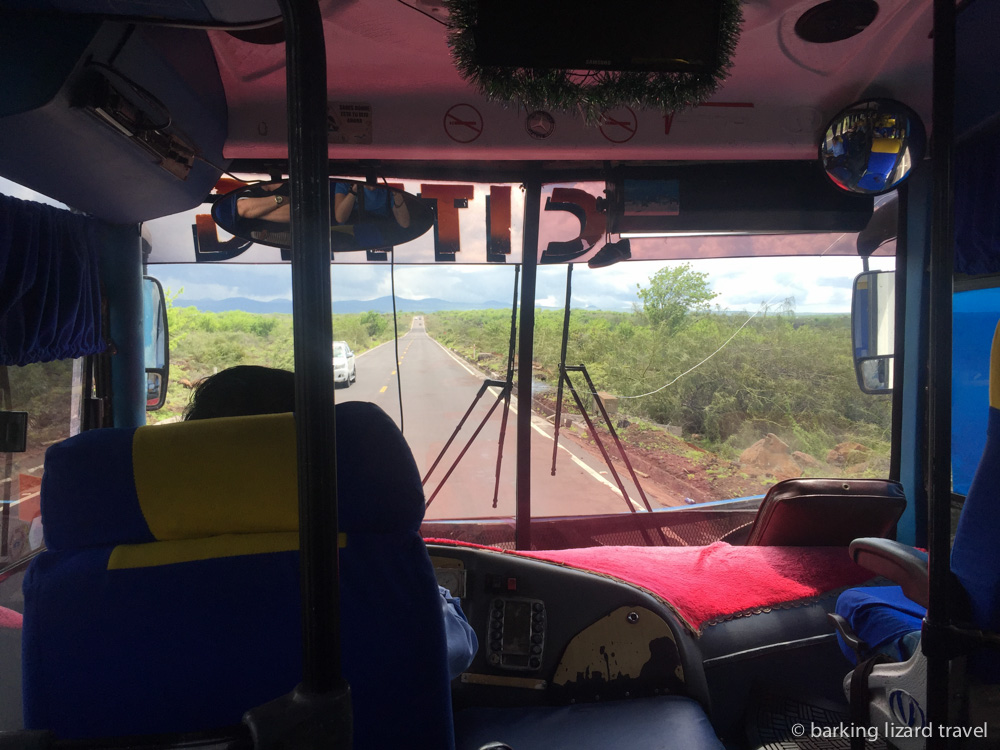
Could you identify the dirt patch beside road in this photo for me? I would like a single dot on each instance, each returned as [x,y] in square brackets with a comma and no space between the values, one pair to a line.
[677,472]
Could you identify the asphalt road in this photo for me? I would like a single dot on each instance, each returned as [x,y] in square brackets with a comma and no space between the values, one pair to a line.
[437,389]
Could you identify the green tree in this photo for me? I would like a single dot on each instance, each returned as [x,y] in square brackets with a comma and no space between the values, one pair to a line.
[673,294]
[374,323]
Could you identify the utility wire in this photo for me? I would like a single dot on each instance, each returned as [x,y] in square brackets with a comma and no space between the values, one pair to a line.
[763,307]
[424,12]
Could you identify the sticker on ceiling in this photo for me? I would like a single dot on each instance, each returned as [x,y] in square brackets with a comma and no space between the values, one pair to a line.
[619,125]
[540,124]
[463,123]
[349,123]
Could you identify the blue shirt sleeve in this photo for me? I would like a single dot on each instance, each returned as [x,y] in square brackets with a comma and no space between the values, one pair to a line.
[461,638]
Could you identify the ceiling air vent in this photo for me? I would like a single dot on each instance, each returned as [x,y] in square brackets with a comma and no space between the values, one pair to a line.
[836,20]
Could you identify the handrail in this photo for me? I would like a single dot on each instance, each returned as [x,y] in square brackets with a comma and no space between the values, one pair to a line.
[938,456]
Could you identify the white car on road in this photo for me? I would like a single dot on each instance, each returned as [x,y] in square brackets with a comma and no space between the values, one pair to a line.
[344,370]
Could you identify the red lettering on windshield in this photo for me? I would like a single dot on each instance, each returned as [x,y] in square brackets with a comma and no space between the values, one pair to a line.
[450,199]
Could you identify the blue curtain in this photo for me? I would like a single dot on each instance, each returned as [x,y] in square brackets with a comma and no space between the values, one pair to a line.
[977,204]
[50,301]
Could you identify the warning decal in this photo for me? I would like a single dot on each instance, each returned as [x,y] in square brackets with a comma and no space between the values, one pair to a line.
[349,123]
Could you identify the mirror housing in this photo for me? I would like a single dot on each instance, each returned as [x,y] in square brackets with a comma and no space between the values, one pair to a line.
[873,324]
[156,342]
[362,217]
[871,147]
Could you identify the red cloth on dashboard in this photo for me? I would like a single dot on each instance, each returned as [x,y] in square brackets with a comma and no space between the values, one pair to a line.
[709,584]
[706,584]
[10,619]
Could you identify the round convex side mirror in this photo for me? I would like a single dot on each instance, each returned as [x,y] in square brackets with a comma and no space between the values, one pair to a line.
[871,147]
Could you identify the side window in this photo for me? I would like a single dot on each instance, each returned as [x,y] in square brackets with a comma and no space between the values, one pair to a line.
[976,313]
[50,393]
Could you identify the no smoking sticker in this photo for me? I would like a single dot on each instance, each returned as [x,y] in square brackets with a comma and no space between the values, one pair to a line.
[463,123]
[618,125]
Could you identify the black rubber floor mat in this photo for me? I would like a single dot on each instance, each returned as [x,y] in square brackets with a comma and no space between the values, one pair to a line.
[782,723]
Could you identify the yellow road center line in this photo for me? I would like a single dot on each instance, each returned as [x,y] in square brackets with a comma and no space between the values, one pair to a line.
[383,389]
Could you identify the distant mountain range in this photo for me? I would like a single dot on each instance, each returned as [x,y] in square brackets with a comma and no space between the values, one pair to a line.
[380,304]
[384,305]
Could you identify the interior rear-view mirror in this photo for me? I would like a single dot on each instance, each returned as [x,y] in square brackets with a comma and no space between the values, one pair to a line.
[362,216]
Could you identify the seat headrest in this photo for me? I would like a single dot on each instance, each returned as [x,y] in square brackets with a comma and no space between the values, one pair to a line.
[973,554]
[221,476]
[995,369]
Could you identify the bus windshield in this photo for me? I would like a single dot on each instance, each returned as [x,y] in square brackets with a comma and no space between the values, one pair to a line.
[668,373]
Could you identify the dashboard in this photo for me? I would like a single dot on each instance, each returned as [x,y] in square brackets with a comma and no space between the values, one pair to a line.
[552,634]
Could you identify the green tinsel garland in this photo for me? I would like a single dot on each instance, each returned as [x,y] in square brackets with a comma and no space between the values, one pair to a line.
[591,93]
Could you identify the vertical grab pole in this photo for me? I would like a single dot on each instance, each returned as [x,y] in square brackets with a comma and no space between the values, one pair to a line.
[899,344]
[313,347]
[529,264]
[562,365]
[317,714]
[938,457]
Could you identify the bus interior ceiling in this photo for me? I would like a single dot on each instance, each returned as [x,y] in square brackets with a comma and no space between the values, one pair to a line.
[129,118]
[396,97]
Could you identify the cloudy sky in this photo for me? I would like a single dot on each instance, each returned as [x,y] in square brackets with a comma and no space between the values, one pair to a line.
[816,284]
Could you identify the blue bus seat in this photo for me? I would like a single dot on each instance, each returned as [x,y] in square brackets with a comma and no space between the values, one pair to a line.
[885,620]
[168,598]
[666,722]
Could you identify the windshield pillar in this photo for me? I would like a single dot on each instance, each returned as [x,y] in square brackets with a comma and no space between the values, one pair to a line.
[529,261]
[121,272]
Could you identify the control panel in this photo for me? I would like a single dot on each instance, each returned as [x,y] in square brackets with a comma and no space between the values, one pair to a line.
[516,633]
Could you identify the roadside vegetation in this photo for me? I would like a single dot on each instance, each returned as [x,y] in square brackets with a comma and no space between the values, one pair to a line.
[721,380]
[695,390]
[202,343]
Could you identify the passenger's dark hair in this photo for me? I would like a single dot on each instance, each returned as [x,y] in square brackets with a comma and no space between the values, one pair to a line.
[242,391]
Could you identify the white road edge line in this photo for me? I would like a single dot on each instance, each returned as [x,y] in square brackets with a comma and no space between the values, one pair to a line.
[576,459]
[579,462]
[462,362]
